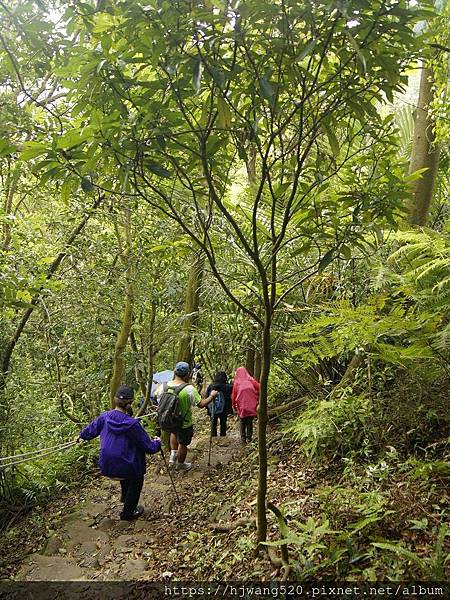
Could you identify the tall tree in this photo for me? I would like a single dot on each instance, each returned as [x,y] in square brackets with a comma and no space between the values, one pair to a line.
[171,102]
[425,151]
[126,255]
[186,348]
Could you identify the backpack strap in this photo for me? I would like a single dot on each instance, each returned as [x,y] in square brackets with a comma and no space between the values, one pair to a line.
[177,389]
[180,388]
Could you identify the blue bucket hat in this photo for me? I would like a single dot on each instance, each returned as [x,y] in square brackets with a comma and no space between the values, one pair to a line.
[182,369]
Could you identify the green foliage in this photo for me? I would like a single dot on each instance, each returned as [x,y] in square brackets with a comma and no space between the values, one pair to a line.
[434,566]
[252,129]
[403,321]
[333,426]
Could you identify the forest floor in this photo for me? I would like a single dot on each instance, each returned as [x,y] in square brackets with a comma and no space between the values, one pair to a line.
[87,541]
[336,520]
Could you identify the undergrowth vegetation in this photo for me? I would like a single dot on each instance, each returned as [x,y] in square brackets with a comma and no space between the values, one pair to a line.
[236,183]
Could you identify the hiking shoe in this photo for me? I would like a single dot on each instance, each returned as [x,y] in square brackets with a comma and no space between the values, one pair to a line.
[138,511]
[172,461]
[183,466]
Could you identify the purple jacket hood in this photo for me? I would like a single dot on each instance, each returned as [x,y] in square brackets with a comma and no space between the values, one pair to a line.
[123,444]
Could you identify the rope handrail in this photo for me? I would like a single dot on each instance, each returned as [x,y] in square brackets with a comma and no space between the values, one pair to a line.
[31,452]
[37,457]
[37,454]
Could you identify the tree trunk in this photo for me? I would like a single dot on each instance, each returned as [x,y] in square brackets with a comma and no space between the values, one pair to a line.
[140,376]
[121,342]
[257,366]
[150,366]
[118,366]
[349,374]
[425,152]
[250,360]
[262,431]
[191,307]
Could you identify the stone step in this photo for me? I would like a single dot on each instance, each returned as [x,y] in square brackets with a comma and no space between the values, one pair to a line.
[50,568]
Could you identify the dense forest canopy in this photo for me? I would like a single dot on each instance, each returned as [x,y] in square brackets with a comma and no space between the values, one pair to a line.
[259,183]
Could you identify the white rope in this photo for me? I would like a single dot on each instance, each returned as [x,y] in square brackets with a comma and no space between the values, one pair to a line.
[31,452]
[152,414]
[36,454]
[30,458]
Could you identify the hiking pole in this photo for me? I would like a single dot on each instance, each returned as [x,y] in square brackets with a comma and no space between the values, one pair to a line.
[211,433]
[170,474]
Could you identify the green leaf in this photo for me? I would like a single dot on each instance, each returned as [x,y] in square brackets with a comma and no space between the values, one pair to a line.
[6,147]
[213,144]
[332,139]
[73,137]
[157,169]
[219,77]
[267,89]
[50,174]
[103,22]
[223,113]
[32,150]
[205,111]
[197,74]
[307,49]
[364,522]
[356,48]
[326,259]
[400,551]
[67,188]
[86,185]
[415,175]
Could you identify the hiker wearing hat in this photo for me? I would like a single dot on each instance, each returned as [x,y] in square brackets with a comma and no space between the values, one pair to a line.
[123,445]
[177,397]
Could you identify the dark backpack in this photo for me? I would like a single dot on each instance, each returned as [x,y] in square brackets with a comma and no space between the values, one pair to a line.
[169,413]
[217,405]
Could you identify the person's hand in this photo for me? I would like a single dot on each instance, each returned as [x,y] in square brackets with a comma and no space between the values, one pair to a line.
[214,393]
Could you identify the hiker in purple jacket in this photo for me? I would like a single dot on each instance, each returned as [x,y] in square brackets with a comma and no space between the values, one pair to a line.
[123,445]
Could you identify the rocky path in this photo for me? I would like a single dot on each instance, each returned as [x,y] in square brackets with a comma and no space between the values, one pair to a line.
[90,543]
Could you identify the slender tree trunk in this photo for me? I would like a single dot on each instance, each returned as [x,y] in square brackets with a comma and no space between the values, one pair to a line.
[425,152]
[257,366]
[151,352]
[9,348]
[349,374]
[150,366]
[118,366]
[140,376]
[191,308]
[250,360]
[121,342]
[262,430]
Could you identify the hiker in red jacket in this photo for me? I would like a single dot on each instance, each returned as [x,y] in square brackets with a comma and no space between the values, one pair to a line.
[245,398]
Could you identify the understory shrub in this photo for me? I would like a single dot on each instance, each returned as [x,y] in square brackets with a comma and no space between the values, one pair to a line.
[335,426]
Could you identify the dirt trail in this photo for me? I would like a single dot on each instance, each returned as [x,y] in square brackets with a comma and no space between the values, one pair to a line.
[91,543]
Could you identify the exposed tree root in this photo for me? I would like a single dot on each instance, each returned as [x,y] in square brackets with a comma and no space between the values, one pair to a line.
[230,526]
[274,558]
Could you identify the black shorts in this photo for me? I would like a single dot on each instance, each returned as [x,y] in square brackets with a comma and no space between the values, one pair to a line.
[184,436]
